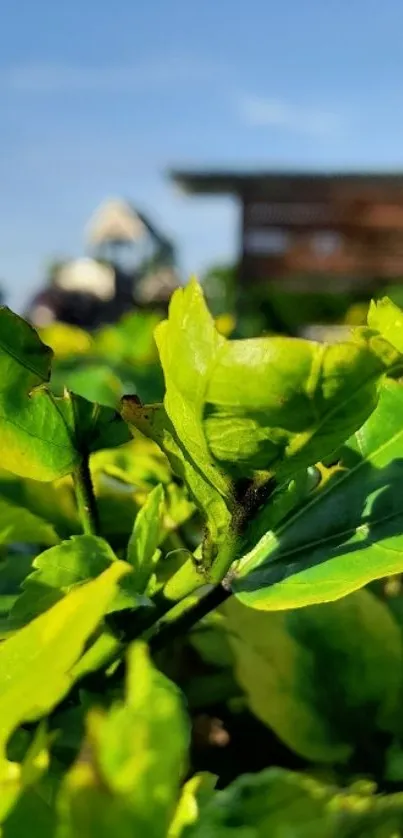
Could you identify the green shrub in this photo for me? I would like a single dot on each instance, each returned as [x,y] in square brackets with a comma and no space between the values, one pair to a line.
[236,545]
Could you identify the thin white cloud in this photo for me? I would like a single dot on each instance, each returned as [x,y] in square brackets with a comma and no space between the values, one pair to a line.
[59,78]
[263,112]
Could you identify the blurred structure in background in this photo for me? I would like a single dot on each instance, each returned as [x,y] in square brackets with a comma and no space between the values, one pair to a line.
[298,229]
[129,264]
[307,239]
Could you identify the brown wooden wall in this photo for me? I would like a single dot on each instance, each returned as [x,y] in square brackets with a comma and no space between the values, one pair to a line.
[327,229]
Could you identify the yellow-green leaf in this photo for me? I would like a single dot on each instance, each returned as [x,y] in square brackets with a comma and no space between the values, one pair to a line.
[326,678]
[36,662]
[128,778]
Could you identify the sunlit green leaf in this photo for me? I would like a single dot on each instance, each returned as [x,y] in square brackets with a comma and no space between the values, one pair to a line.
[43,437]
[153,422]
[62,568]
[145,538]
[36,441]
[139,462]
[128,778]
[188,343]
[270,405]
[36,662]
[387,318]
[195,794]
[56,571]
[66,340]
[346,534]
[280,404]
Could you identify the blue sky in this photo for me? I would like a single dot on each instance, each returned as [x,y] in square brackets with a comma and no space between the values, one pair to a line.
[98,99]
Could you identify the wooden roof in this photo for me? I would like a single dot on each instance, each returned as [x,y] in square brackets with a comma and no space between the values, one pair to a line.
[283,184]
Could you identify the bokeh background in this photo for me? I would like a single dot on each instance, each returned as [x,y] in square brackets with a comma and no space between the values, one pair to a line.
[100,101]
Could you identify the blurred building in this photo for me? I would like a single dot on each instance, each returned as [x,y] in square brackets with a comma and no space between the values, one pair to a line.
[128,263]
[312,232]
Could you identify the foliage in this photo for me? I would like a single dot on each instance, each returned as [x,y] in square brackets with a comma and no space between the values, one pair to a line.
[232,570]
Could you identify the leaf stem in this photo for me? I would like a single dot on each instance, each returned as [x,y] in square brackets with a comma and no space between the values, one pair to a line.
[86,502]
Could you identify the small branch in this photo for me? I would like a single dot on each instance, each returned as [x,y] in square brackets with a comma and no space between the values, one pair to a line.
[86,502]
[177,622]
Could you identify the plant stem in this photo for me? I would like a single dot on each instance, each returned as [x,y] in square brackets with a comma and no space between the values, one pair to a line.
[86,502]
[184,615]
[252,498]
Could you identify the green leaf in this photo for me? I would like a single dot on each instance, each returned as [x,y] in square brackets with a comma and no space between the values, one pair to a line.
[36,441]
[195,794]
[281,404]
[145,538]
[327,679]
[94,426]
[15,779]
[44,437]
[236,408]
[103,651]
[347,534]
[95,382]
[31,816]
[18,525]
[127,780]
[57,571]
[52,502]
[140,463]
[36,662]
[387,318]
[188,343]
[210,640]
[62,568]
[278,803]
[154,423]
[66,340]
[131,339]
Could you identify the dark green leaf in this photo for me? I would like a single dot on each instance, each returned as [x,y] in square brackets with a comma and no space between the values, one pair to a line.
[16,779]
[31,816]
[326,678]
[278,804]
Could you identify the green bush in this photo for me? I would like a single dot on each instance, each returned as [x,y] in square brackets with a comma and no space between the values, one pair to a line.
[200,603]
